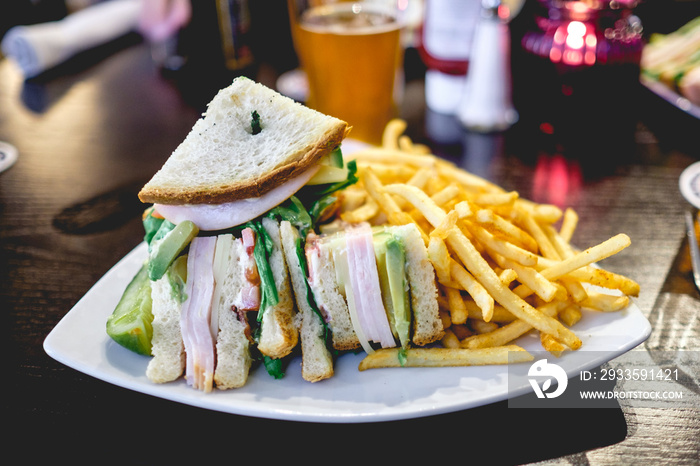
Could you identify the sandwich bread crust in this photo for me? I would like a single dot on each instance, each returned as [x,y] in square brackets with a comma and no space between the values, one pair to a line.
[427,325]
[168,362]
[232,345]
[317,362]
[222,159]
[279,333]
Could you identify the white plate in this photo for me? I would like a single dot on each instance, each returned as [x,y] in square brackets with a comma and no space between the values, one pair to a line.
[79,341]
[689,184]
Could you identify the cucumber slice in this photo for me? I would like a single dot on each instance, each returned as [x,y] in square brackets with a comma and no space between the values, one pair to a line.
[335,158]
[130,323]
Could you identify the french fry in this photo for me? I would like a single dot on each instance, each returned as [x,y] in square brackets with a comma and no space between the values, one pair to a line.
[604,278]
[605,302]
[362,213]
[352,198]
[495,199]
[458,310]
[394,213]
[503,248]
[530,278]
[498,224]
[549,343]
[545,213]
[562,247]
[421,176]
[393,156]
[509,332]
[448,222]
[393,129]
[475,289]
[387,171]
[474,262]
[480,327]
[584,258]
[543,243]
[447,194]
[508,276]
[450,340]
[502,266]
[439,256]
[500,314]
[444,357]
[570,315]
[568,224]
[463,209]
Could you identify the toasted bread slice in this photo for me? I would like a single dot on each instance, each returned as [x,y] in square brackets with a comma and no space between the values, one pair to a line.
[427,325]
[168,362]
[233,360]
[222,159]
[316,360]
[279,334]
[322,279]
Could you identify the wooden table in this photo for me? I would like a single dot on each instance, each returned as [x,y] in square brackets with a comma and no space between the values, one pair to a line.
[89,138]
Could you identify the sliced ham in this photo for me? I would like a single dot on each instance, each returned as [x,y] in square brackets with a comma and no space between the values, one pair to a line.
[195,319]
[210,217]
[364,284]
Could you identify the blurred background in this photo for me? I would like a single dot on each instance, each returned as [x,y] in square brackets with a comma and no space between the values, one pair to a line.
[567,103]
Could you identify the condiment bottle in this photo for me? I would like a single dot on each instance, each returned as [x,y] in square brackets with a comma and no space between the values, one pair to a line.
[445,47]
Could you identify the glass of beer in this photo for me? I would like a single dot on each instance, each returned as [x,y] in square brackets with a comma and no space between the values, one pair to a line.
[352,55]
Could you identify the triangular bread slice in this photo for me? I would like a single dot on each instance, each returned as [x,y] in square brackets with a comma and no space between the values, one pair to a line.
[222,159]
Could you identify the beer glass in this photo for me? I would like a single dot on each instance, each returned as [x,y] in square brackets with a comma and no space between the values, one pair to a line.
[352,55]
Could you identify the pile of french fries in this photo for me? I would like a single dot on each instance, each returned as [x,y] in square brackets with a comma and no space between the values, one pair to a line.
[504,264]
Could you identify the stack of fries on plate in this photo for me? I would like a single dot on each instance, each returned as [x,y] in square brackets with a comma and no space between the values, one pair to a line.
[503,265]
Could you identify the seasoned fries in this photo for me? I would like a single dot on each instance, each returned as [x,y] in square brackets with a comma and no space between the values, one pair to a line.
[503,267]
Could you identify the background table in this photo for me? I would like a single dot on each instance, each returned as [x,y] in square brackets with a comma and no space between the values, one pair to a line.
[89,136]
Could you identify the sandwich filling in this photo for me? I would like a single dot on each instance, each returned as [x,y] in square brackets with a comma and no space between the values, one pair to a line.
[230,214]
[370,273]
[195,317]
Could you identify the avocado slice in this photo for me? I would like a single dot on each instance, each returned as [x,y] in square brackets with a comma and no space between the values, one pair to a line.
[333,169]
[130,322]
[164,250]
[177,276]
[391,265]
[335,158]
